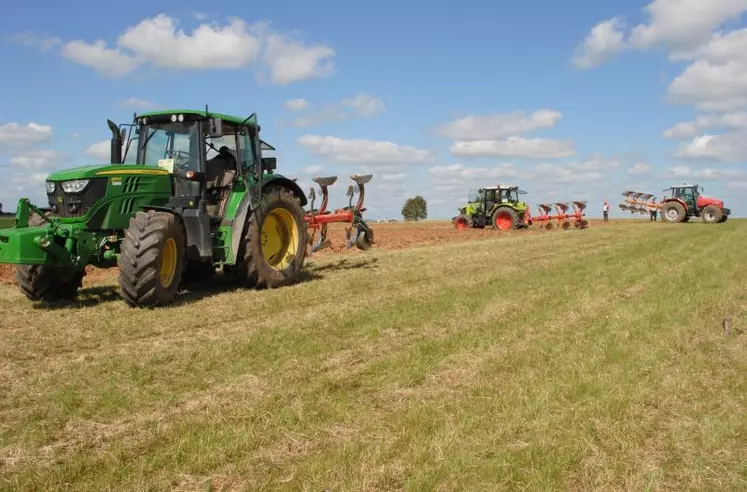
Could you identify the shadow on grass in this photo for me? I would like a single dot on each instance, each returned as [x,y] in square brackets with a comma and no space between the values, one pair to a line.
[192,291]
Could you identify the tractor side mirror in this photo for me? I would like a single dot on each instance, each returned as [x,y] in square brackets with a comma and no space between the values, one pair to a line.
[269,163]
[216,127]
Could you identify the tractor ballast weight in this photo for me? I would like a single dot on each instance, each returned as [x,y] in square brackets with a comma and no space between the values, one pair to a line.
[174,213]
[357,232]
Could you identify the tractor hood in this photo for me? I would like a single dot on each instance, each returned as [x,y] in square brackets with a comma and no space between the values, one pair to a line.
[104,170]
[707,200]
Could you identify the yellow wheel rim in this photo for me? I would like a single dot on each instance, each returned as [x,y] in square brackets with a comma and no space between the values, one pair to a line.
[279,238]
[168,262]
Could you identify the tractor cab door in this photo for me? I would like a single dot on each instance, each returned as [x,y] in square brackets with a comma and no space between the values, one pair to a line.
[490,200]
[688,196]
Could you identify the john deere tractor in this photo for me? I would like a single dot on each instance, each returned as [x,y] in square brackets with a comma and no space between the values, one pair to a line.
[687,201]
[496,206]
[192,193]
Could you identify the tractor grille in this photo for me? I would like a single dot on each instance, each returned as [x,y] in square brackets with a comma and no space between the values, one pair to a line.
[68,205]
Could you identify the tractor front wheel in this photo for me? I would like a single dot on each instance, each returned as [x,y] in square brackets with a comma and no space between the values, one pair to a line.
[273,251]
[711,214]
[151,263]
[505,218]
[673,212]
[46,283]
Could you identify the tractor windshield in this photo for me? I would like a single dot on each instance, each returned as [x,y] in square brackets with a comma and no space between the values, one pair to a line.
[177,143]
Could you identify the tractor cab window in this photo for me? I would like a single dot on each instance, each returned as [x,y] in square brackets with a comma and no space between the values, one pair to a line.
[686,194]
[248,151]
[474,196]
[178,143]
[489,199]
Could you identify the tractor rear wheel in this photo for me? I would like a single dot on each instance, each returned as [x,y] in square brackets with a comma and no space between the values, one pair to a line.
[46,283]
[505,218]
[152,259]
[711,214]
[673,212]
[273,250]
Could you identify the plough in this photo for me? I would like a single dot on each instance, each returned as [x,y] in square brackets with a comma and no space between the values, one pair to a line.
[639,203]
[563,219]
[358,233]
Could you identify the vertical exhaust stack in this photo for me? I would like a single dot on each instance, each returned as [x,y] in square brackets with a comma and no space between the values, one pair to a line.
[117,141]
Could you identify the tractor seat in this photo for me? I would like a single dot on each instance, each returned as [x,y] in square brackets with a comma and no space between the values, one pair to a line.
[361,179]
[328,181]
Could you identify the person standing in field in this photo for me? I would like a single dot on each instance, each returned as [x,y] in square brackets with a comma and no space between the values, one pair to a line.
[606,211]
[654,211]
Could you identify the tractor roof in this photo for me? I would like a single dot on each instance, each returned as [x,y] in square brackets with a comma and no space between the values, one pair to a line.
[236,120]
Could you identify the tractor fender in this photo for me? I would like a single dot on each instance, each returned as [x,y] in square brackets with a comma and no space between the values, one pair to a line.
[245,205]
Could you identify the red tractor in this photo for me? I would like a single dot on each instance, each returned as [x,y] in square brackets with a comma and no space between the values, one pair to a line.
[687,201]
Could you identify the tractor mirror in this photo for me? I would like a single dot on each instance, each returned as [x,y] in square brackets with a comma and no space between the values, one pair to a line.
[269,163]
[216,127]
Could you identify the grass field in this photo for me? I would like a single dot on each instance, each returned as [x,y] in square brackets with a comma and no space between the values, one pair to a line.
[583,360]
[6,221]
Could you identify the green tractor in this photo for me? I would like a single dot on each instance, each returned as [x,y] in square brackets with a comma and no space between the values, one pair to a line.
[497,206]
[192,193]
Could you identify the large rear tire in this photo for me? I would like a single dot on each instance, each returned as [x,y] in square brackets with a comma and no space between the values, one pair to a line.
[152,259]
[505,218]
[711,214]
[673,212]
[47,283]
[273,249]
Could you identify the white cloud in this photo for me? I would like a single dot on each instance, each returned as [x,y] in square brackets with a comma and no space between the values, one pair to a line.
[134,102]
[38,159]
[40,42]
[729,147]
[604,41]
[686,172]
[394,177]
[159,42]
[539,148]
[365,104]
[689,129]
[360,105]
[498,126]
[290,60]
[296,104]
[640,169]
[17,136]
[106,61]
[101,151]
[683,24]
[362,151]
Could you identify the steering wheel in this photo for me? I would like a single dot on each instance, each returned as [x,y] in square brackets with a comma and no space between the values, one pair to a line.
[181,158]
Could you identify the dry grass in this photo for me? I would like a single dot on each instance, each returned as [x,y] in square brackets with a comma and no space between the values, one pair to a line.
[590,360]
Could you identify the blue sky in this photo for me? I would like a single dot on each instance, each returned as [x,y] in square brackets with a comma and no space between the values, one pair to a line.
[570,100]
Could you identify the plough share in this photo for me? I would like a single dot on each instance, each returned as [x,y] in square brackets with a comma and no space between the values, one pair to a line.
[562,218]
[357,233]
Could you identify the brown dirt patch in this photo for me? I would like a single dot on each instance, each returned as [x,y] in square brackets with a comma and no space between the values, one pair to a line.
[387,236]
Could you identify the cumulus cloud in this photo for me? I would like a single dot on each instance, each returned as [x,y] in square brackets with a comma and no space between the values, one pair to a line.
[14,136]
[605,40]
[363,151]
[38,159]
[536,148]
[161,43]
[687,172]
[729,147]
[640,169]
[362,104]
[689,129]
[498,126]
[296,104]
[101,151]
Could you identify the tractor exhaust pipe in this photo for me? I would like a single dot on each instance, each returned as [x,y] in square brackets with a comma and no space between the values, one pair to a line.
[117,142]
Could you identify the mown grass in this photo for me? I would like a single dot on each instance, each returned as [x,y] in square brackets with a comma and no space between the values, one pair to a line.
[590,360]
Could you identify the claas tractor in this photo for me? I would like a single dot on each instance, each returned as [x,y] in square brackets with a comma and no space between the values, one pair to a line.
[190,192]
[687,201]
[497,206]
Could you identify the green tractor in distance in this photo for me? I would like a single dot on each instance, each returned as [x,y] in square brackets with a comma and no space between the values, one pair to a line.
[687,201]
[196,194]
[497,206]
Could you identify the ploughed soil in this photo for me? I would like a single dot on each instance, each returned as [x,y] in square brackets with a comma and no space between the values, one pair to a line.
[387,236]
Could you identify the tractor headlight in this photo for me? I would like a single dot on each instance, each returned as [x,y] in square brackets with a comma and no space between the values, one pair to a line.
[75,186]
[50,186]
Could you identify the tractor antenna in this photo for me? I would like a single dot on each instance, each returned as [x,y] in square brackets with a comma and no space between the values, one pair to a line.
[247,119]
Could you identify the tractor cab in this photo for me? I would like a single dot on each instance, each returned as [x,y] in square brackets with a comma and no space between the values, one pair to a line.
[688,194]
[208,155]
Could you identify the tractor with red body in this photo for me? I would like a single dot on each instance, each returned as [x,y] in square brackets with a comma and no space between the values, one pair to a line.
[687,201]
